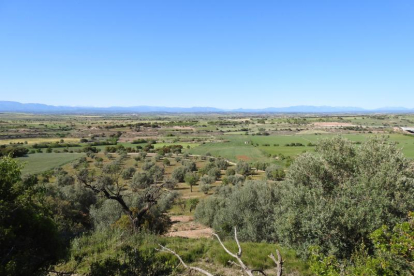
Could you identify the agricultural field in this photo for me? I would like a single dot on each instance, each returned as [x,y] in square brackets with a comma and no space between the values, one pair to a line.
[38,163]
[196,156]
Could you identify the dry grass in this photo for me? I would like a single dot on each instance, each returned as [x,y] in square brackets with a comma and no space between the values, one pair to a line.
[31,141]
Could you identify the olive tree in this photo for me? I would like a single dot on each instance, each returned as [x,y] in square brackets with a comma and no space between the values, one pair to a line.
[144,208]
[335,198]
[191,179]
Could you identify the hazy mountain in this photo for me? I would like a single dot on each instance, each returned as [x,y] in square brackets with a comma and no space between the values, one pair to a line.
[9,106]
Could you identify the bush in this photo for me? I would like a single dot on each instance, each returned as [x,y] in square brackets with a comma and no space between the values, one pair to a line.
[250,208]
[207,180]
[344,192]
[274,172]
[141,180]
[214,173]
[179,173]
[236,179]
[243,168]
[166,162]
[128,173]
[221,164]
[205,188]
[190,165]
[230,171]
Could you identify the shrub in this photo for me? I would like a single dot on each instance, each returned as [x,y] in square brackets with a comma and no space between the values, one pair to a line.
[179,173]
[274,172]
[221,164]
[214,173]
[249,207]
[166,162]
[235,179]
[230,171]
[141,180]
[344,192]
[243,168]
[205,188]
[128,173]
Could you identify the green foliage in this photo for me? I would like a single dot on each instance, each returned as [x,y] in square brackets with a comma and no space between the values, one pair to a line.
[335,198]
[179,173]
[13,151]
[102,245]
[221,164]
[141,180]
[214,173]
[230,171]
[191,179]
[274,172]
[243,168]
[134,262]
[128,172]
[392,255]
[28,236]
[250,208]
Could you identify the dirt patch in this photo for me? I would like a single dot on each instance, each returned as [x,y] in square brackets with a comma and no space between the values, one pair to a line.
[242,157]
[186,227]
[332,124]
[183,127]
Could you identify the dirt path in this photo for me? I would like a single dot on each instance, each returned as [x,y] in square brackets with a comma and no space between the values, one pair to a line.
[186,227]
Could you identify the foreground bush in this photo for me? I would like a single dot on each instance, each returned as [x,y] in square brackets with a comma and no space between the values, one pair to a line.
[29,240]
[392,255]
[335,198]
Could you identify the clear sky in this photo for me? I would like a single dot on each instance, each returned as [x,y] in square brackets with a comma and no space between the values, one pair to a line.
[226,54]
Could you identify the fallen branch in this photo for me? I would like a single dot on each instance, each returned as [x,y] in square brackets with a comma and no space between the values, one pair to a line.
[190,268]
[245,269]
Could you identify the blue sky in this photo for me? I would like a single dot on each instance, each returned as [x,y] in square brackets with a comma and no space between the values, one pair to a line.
[226,54]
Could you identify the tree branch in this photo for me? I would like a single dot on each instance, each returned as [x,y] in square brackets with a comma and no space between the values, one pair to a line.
[190,268]
[278,262]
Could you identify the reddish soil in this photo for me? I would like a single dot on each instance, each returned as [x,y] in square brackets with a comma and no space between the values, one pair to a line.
[242,157]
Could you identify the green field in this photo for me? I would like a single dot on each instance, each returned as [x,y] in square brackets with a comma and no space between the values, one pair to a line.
[405,142]
[235,148]
[232,148]
[40,162]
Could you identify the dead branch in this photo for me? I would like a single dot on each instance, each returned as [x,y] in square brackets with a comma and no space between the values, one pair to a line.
[278,262]
[190,268]
[245,269]
[237,256]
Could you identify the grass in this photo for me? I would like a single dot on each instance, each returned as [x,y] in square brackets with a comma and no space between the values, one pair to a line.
[404,142]
[40,162]
[233,148]
[206,253]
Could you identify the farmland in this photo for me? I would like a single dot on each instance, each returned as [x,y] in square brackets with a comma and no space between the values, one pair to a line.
[38,163]
[198,157]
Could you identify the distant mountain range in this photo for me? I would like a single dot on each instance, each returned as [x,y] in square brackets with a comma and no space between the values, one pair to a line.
[16,107]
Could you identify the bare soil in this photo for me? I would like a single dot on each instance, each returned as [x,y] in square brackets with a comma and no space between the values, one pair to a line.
[184,226]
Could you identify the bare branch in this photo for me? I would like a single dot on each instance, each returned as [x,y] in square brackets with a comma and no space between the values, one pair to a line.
[244,268]
[238,244]
[278,262]
[240,264]
[224,247]
[190,268]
